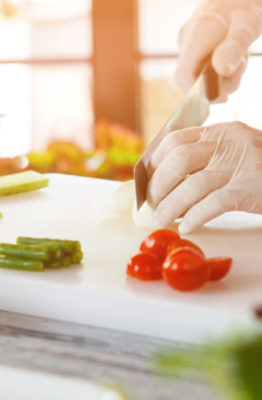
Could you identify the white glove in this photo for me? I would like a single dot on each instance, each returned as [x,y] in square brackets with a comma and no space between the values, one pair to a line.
[225,163]
[223,29]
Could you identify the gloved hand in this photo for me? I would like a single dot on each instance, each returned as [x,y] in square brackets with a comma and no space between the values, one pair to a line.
[225,166]
[223,29]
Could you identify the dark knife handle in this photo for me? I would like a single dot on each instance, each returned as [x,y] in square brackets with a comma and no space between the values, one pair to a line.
[211,80]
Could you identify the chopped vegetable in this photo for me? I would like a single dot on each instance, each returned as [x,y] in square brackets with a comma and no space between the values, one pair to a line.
[179,242]
[24,251]
[180,262]
[53,253]
[66,261]
[15,263]
[145,266]
[53,264]
[22,182]
[65,245]
[77,257]
[185,269]
[157,242]
[219,267]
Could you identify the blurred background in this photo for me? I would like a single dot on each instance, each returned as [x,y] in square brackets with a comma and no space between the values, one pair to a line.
[85,85]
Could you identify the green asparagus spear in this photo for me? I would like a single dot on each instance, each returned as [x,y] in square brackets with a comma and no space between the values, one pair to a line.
[65,245]
[53,264]
[76,245]
[15,263]
[52,246]
[77,257]
[31,252]
[65,261]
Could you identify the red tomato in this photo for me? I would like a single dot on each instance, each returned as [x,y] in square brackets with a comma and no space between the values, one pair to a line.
[157,242]
[145,266]
[219,267]
[179,242]
[185,269]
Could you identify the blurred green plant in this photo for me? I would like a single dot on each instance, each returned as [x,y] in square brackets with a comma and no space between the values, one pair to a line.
[233,366]
[116,151]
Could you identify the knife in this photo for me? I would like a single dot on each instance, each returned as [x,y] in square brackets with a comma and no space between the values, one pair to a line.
[193,111]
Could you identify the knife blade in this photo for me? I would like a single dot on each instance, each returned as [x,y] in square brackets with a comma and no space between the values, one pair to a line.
[193,111]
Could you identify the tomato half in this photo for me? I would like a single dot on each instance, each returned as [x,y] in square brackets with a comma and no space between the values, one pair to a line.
[185,269]
[219,267]
[145,266]
[157,242]
[179,242]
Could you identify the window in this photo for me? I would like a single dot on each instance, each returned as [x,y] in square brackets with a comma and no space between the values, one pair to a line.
[65,64]
[45,73]
[159,23]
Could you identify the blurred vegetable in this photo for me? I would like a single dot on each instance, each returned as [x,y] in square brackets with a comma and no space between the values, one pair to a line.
[8,8]
[234,366]
[117,150]
[21,182]
[109,135]
[36,254]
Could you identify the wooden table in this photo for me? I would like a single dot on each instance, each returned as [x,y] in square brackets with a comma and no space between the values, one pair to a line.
[85,352]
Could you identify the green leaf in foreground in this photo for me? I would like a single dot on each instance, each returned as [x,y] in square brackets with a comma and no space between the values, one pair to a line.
[234,366]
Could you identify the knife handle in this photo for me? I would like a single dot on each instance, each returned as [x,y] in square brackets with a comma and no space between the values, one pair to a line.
[211,82]
[211,79]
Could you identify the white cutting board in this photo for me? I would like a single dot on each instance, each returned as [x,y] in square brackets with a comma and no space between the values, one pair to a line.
[99,293]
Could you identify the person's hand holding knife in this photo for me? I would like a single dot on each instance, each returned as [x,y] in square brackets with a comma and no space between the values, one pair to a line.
[225,160]
[224,30]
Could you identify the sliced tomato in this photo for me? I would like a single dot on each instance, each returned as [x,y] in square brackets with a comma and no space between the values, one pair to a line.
[179,242]
[145,266]
[157,242]
[185,269]
[219,267]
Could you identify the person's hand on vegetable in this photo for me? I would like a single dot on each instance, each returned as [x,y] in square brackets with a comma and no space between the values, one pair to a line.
[222,30]
[225,166]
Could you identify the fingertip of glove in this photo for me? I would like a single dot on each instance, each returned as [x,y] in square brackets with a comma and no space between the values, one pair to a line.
[222,67]
[185,227]
[226,60]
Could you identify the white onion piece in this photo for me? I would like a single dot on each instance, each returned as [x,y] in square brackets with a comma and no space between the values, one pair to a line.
[123,198]
[144,216]
[123,202]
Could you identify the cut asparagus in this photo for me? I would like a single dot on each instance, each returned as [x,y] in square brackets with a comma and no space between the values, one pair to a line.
[69,246]
[14,263]
[22,182]
[53,264]
[31,252]
[77,257]
[53,247]
[65,261]
[54,253]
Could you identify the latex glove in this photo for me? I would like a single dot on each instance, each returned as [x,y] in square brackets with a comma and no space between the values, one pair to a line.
[224,29]
[225,163]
